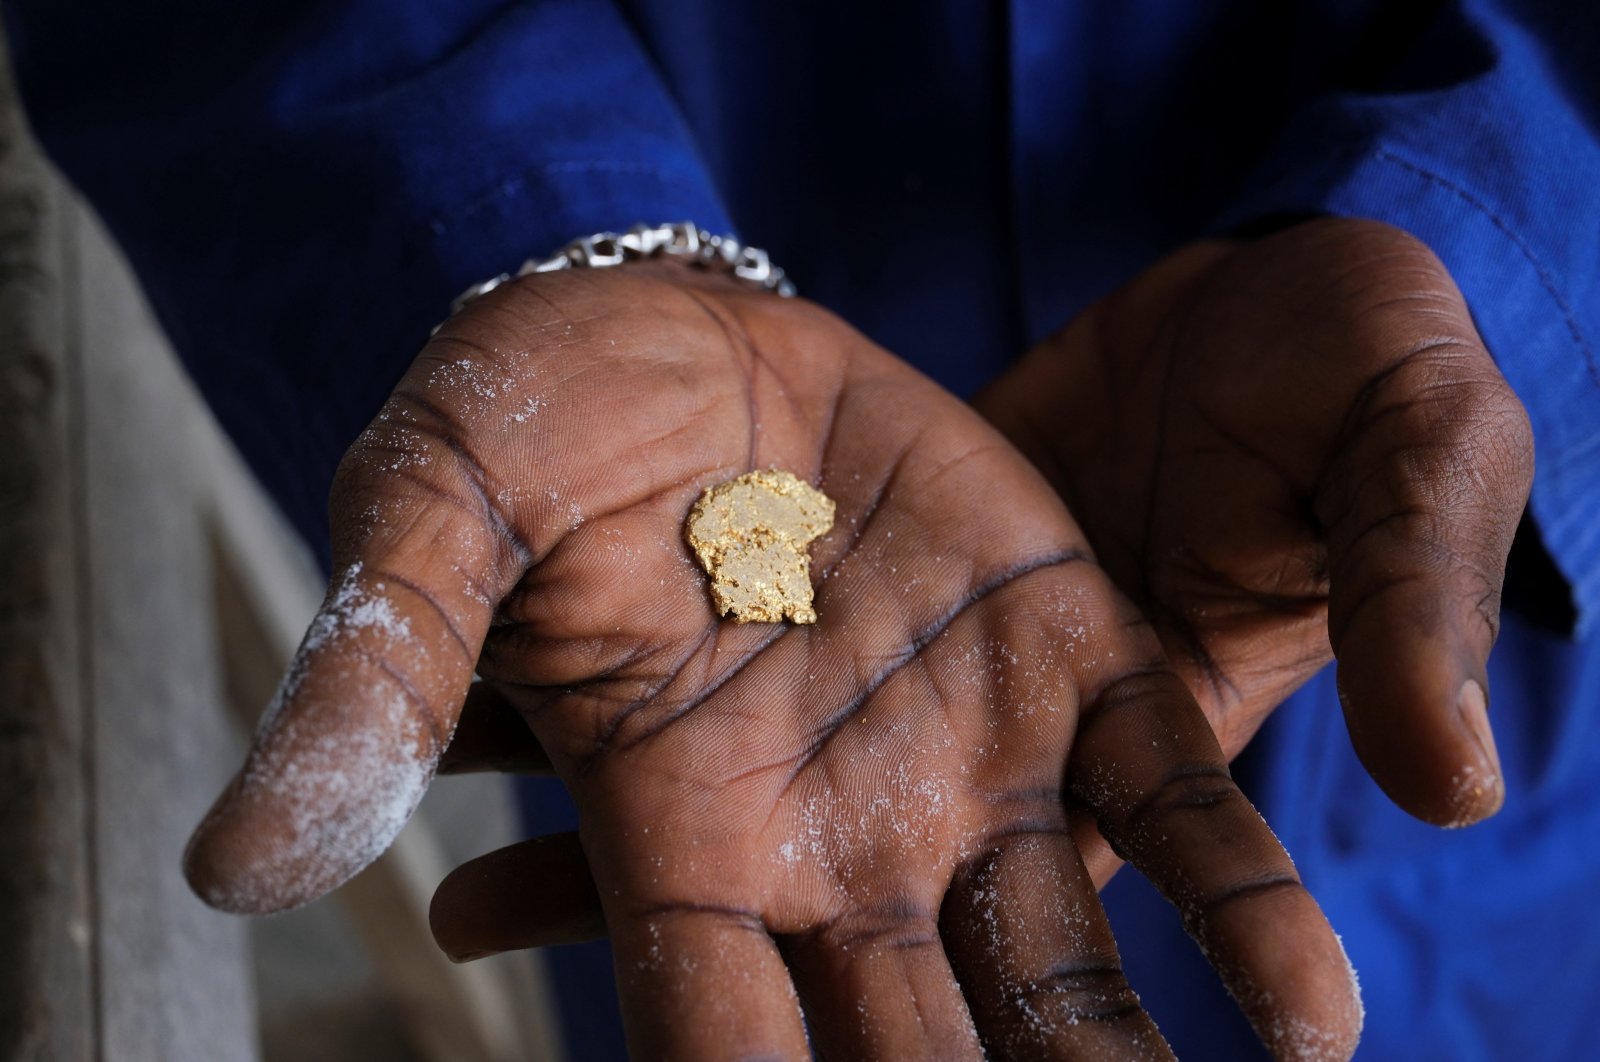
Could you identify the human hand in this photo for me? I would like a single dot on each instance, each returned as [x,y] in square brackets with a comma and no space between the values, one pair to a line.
[1292,447]
[869,811]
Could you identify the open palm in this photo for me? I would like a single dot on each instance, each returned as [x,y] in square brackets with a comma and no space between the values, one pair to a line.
[865,818]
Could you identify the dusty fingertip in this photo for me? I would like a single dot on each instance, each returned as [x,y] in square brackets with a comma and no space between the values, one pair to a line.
[1332,1036]
[210,859]
[239,862]
[303,817]
[247,861]
[1439,765]
[1308,1043]
[1360,1005]
[1478,789]
[1325,1019]
[1334,1041]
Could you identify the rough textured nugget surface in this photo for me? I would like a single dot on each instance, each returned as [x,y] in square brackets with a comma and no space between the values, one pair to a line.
[750,535]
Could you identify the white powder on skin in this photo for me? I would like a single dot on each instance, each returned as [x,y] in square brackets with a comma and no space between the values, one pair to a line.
[337,801]
[531,407]
[463,380]
[619,552]
[388,447]
[1292,1037]
[349,609]
[1002,920]
[1298,1040]
[1466,794]
[326,787]
[474,387]
[904,817]
[1355,983]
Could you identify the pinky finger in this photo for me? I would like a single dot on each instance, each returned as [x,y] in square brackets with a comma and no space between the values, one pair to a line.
[526,895]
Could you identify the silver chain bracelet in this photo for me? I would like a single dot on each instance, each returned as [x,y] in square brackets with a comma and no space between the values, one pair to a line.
[682,240]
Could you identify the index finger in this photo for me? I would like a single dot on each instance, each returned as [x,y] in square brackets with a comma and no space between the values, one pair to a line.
[349,744]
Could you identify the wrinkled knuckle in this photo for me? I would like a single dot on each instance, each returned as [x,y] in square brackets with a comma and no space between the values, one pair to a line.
[401,438]
[1186,790]
[1509,436]
[1441,355]
[1139,687]
[738,919]
[1486,606]
[1479,592]
[1489,445]
[1072,994]
[1203,910]
[1451,379]
[896,928]
[1465,447]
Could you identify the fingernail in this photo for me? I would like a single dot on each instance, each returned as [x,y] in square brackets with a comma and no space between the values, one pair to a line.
[1483,788]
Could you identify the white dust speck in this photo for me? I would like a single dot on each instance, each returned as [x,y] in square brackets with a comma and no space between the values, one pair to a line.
[351,608]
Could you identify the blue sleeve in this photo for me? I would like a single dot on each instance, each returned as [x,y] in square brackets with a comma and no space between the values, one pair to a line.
[1483,143]
[303,186]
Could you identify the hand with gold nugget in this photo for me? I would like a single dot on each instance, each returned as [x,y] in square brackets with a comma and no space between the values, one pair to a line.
[861,819]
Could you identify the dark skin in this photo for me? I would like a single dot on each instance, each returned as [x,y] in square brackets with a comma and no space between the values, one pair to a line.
[1293,449]
[870,813]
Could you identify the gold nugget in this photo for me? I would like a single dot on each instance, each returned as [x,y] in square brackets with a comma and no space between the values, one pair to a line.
[750,535]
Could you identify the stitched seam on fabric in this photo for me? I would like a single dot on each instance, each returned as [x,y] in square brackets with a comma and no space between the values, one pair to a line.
[1539,270]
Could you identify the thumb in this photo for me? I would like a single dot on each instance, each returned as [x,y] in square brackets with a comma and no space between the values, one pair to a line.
[1421,504]
[349,744]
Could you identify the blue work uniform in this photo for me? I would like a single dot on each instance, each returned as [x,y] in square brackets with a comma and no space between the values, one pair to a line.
[303,186]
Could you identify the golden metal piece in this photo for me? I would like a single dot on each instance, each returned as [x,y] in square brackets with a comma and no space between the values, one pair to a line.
[751,536]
